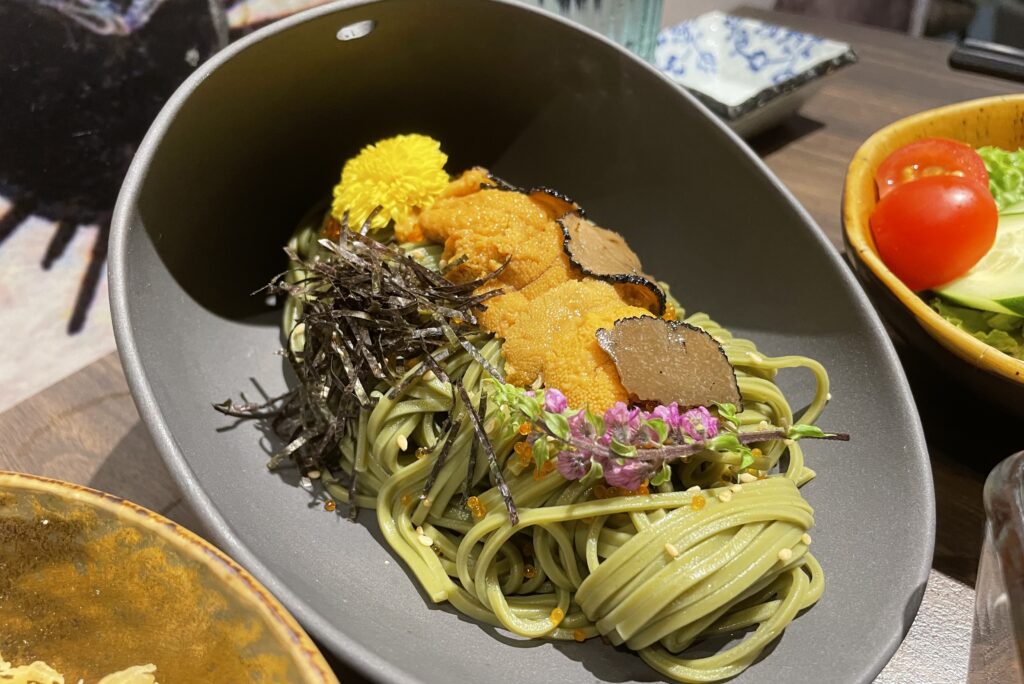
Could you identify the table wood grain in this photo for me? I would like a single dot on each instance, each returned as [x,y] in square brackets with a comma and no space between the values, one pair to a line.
[85,428]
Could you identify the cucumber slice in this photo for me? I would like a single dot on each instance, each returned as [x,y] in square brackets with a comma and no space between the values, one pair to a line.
[996,283]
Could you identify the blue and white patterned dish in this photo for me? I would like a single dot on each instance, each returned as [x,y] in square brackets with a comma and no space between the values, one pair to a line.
[738,66]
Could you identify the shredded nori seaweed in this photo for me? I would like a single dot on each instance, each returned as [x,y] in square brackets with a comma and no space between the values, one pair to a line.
[368,311]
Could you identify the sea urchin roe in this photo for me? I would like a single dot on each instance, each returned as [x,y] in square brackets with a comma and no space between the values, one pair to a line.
[579,635]
[557,615]
[575,363]
[546,313]
[556,322]
[491,227]
[698,502]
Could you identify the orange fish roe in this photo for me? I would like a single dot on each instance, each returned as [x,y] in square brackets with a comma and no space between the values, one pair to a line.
[525,453]
[329,505]
[524,428]
[756,453]
[557,615]
[697,502]
[606,491]
[529,572]
[579,635]
[670,312]
[476,507]
[544,470]
[642,490]
[406,499]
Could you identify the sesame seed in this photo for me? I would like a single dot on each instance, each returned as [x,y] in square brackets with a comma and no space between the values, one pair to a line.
[724,496]
[426,503]
[313,474]
[427,541]
[806,539]
[763,425]
[785,555]
[671,550]
[695,489]
[402,442]
[746,477]
[735,488]
[828,396]
[419,529]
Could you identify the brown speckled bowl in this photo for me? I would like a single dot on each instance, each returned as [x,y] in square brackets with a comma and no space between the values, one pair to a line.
[92,584]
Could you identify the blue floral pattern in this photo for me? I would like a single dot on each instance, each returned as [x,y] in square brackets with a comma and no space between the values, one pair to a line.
[731,61]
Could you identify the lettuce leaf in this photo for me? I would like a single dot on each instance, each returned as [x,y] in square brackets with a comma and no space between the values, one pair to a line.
[1005,333]
[1005,175]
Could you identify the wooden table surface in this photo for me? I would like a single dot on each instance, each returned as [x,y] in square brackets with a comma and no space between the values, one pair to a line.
[85,428]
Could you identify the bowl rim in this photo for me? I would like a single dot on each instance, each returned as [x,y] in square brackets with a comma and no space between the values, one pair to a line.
[305,654]
[362,659]
[857,231]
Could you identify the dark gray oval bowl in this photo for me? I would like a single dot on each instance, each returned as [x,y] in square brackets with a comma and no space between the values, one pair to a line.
[258,135]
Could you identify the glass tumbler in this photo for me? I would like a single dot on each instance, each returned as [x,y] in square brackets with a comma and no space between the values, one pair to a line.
[997,642]
[633,24]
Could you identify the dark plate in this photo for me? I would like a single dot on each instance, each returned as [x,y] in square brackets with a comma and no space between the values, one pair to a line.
[258,135]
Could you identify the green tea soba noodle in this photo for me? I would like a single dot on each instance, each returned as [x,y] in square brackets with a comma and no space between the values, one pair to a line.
[550,444]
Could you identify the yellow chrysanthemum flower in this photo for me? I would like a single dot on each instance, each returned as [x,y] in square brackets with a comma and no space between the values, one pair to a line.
[398,174]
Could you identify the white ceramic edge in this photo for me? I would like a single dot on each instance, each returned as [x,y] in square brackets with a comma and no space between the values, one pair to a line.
[811,74]
[362,659]
[841,48]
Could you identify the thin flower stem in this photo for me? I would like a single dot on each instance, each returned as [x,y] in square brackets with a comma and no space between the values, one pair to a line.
[671,452]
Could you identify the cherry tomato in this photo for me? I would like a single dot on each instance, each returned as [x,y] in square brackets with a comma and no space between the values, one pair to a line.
[935,229]
[929,157]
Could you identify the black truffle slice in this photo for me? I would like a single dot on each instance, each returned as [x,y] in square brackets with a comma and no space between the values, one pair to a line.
[663,361]
[554,200]
[604,254]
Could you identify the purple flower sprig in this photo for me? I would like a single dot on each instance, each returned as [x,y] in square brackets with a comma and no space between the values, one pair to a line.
[627,446]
